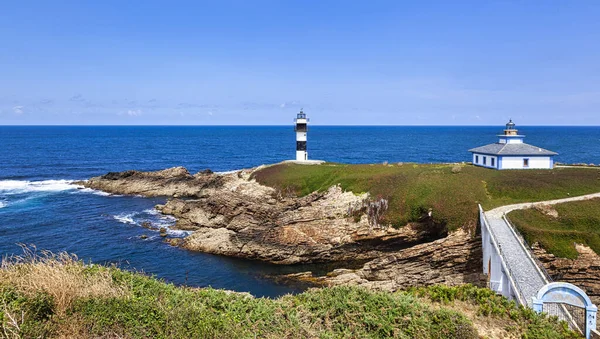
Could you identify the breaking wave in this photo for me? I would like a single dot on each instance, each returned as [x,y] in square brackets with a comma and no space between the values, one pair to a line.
[96,192]
[125,218]
[152,220]
[22,186]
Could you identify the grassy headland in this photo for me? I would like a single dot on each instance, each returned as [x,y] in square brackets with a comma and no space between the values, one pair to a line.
[58,296]
[558,227]
[451,191]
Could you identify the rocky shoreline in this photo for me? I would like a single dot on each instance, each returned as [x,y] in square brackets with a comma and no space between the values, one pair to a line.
[231,214]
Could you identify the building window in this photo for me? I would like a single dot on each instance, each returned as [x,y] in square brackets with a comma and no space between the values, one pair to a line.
[525,162]
[484,160]
[476,159]
[492,161]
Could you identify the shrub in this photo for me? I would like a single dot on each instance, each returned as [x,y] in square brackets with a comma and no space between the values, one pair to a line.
[151,308]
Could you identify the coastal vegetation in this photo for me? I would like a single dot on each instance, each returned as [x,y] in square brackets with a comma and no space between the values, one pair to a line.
[557,228]
[449,192]
[47,295]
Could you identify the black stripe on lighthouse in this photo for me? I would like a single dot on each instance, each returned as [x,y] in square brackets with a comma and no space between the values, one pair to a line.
[300,145]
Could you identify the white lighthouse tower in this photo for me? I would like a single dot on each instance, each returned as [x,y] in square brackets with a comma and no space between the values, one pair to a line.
[301,129]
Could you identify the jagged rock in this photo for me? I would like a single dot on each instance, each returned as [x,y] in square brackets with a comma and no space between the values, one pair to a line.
[453,260]
[163,232]
[168,182]
[583,272]
[231,214]
[174,241]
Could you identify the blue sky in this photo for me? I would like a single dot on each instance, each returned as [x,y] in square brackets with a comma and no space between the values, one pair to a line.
[259,62]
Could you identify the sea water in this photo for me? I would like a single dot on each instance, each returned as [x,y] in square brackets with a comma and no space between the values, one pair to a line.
[40,205]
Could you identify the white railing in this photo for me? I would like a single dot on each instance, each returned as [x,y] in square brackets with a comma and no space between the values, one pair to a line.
[562,313]
[514,286]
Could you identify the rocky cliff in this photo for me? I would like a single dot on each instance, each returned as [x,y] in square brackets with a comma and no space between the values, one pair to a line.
[453,260]
[231,214]
[583,272]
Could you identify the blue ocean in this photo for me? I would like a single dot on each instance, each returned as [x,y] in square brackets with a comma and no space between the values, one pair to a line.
[40,206]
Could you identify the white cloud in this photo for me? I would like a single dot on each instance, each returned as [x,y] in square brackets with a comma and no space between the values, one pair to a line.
[134,112]
[18,109]
[289,104]
[76,98]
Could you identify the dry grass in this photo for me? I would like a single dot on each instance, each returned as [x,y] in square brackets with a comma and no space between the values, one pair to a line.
[36,290]
[61,275]
[487,327]
[75,327]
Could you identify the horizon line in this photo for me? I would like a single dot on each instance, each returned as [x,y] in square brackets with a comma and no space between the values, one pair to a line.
[269,125]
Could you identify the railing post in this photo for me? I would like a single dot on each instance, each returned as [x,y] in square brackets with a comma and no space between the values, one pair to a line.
[590,316]
[538,305]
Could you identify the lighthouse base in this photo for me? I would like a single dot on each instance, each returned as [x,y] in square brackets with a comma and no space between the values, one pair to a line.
[304,162]
[301,155]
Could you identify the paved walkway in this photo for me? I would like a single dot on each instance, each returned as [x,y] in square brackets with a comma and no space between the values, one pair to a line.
[524,270]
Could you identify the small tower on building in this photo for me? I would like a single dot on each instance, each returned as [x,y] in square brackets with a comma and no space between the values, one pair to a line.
[511,135]
[301,130]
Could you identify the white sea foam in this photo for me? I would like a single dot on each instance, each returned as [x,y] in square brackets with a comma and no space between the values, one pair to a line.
[152,211]
[227,172]
[156,213]
[156,220]
[23,186]
[125,218]
[2,204]
[92,191]
[178,233]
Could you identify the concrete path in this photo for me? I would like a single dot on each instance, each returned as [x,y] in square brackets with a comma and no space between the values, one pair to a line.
[527,275]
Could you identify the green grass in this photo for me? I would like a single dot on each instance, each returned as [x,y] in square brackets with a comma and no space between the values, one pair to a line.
[412,189]
[577,222]
[149,308]
[521,321]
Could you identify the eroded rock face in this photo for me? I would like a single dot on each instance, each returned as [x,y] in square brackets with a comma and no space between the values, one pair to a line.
[453,260]
[584,272]
[231,214]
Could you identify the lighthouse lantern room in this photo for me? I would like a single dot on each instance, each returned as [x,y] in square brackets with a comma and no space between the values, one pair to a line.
[301,130]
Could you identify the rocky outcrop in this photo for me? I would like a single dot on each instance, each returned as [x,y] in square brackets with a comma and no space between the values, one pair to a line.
[231,214]
[453,260]
[172,182]
[583,272]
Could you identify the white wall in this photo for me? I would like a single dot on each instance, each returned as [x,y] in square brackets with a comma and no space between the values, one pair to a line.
[301,155]
[510,140]
[534,162]
[300,136]
[488,160]
[493,263]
